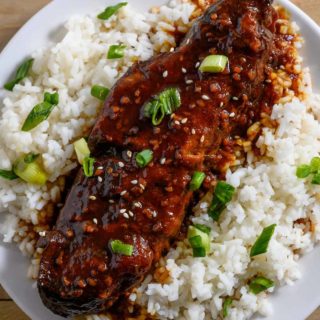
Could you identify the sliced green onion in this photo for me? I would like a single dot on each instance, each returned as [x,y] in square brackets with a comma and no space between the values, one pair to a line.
[315,165]
[110,11]
[82,149]
[214,63]
[222,195]
[30,157]
[100,92]
[303,171]
[203,228]
[119,247]
[261,244]
[197,180]
[144,157]
[316,179]
[88,166]
[41,111]
[259,284]
[8,174]
[21,73]
[165,103]
[30,172]
[116,51]
[199,241]
[225,307]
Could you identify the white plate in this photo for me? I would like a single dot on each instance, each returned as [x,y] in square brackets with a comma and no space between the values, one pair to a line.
[290,303]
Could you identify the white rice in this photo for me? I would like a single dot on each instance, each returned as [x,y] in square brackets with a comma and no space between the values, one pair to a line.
[268,191]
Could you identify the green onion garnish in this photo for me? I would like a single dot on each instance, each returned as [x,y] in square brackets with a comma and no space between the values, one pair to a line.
[100,92]
[315,165]
[222,195]
[225,307]
[316,179]
[116,51]
[261,244]
[88,166]
[110,11]
[197,179]
[199,240]
[203,228]
[21,73]
[259,284]
[82,149]
[29,170]
[165,103]
[8,174]
[303,171]
[119,247]
[214,63]
[41,111]
[144,157]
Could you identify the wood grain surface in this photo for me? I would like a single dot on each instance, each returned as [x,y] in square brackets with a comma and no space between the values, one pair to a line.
[13,14]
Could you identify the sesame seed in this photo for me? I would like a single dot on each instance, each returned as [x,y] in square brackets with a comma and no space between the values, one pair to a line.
[189,81]
[205,97]
[184,70]
[177,122]
[111,201]
[100,179]
[202,138]
[142,186]
[154,214]
[193,131]
[172,115]
[235,98]
[221,104]
[123,210]
[188,41]
[123,192]
[93,198]
[165,74]
[268,81]
[232,114]
[129,154]
[197,64]
[95,221]
[131,214]
[42,233]
[121,164]
[126,215]
[172,49]
[163,161]
[100,168]
[138,204]
[134,181]
[184,120]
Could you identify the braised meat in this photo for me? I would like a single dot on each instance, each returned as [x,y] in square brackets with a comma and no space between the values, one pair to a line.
[145,207]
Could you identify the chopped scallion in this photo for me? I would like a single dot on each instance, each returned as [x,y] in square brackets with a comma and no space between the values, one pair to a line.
[29,170]
[82,149]
[203,228]
[165,103]
[222,195]
[118,247]
[225,307]
[116,51]
[303,171]
[197,180]
[8,174]
[110,11]
[199,241]
[144,157]
[214,63]
[41,111]
[100,92]
[88,166]
[261,244]
[21,73]
[316,179]
[259,284]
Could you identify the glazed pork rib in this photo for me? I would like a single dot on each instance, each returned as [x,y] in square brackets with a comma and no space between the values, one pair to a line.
[145,207]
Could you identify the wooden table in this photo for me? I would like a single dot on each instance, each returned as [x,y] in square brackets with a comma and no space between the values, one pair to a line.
[13,14]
